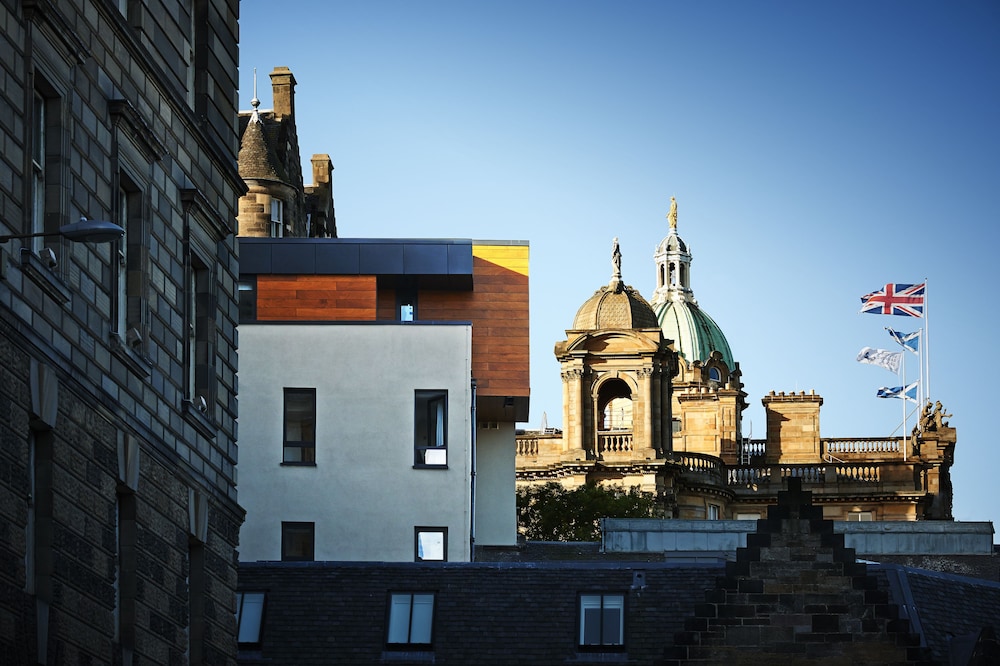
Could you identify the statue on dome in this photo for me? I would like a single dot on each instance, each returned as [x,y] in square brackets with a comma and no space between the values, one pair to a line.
[672,215]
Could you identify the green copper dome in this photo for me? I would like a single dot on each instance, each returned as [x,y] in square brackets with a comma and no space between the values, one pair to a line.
[695,334]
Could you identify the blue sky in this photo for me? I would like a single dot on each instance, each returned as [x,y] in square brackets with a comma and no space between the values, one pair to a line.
[817,151]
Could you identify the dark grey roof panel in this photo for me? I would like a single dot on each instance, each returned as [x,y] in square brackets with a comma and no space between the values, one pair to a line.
[254,255]
[460,259]
[382,259]
[293,259]
[448,258]
[333,258]
[425,259]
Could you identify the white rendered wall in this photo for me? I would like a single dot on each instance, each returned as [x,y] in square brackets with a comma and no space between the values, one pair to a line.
[363,494]
[496,510]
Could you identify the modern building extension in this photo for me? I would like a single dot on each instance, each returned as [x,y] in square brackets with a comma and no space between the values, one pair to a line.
[380,381]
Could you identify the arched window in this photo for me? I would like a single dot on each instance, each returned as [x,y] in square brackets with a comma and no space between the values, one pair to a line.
[614,404]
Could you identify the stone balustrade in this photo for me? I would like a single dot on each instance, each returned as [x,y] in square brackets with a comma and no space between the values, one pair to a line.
[746,475]
[527,447]
[614,442]
[848,446]
[534,447]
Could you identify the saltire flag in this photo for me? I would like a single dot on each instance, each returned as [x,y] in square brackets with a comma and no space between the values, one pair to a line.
[905,392]
[909,341]
[882,358]
[896,299]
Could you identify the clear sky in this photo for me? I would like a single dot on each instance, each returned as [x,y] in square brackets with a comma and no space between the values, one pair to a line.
[817,150]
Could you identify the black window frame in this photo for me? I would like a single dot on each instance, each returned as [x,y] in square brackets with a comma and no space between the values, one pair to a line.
[409,644]
[306,447]
[240,603]
[287,527]
[581,618]
[246,289]
[425,420]
[417,531]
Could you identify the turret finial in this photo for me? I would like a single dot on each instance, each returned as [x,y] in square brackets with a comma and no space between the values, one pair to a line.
[255,102]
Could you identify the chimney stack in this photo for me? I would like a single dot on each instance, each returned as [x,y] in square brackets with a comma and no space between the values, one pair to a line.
[283,91]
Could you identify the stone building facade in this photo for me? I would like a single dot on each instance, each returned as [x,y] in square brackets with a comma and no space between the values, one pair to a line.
[277,203]
[652,397]
[118,511]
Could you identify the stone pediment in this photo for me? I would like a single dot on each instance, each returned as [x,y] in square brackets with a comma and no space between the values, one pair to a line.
[625,341]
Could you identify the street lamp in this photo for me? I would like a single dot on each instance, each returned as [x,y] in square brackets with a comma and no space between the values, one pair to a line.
[84,231]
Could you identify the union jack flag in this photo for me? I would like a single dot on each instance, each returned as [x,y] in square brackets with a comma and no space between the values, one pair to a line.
[896,299]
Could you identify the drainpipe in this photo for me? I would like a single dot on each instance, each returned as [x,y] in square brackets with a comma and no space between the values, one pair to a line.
[472,481]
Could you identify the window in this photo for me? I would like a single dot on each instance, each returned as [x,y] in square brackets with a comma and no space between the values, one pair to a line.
[411,620]
[602,621]
[860,516]
[277,229]
[38,169]
[199,327]
[675,426]
[249,618]
[430,428]
[300,426]
[298,542]
[713,511]
[431,544]
[46,155]
[248,298]
[128,302]
[406,302]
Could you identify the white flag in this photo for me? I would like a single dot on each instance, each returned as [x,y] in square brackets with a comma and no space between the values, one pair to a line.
[882,358]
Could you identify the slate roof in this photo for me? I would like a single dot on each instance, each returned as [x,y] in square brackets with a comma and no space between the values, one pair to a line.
[486,613]
[256,158]
[335,612]
[794,593]
[942,607]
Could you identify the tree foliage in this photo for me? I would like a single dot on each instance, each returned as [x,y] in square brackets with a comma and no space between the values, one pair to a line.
[552,513]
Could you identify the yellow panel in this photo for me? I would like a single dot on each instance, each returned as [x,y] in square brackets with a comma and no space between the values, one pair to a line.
[511,257]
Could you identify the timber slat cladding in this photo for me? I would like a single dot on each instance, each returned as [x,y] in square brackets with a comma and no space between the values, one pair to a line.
[316,298]
[498,310]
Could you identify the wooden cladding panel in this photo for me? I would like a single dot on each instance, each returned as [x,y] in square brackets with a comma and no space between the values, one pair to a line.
[498,310]
[316,298]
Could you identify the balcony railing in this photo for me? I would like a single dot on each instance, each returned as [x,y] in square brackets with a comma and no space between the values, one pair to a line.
[846,446]
[527,446]
[832,473]
[835,446]
[614,442]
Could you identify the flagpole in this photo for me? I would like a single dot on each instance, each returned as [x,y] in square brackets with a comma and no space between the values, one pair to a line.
[926,347]
[902,370]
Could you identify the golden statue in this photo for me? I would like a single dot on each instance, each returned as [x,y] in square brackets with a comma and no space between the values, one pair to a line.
[672,215]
